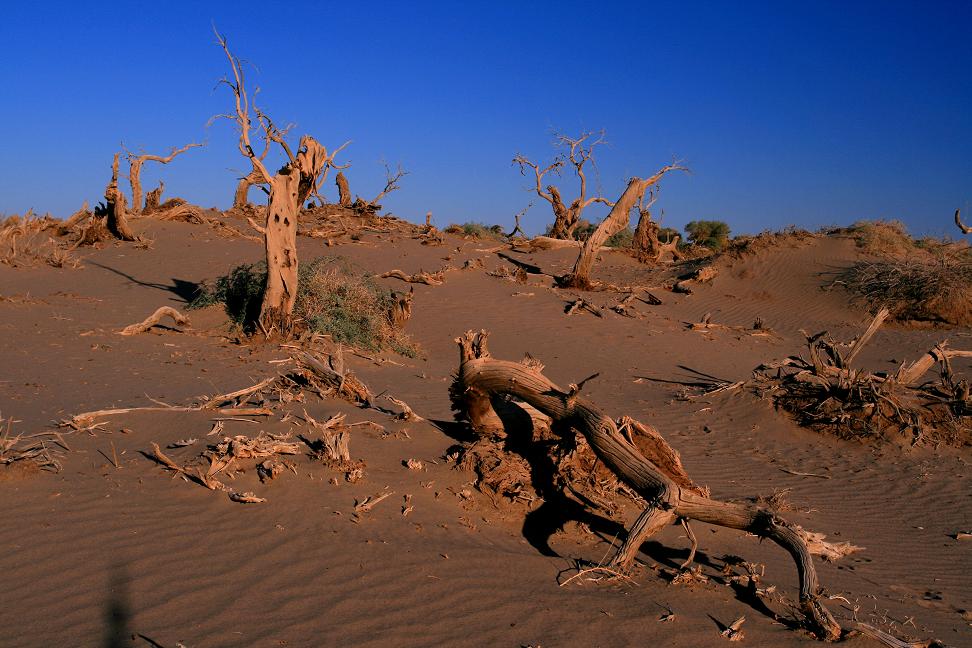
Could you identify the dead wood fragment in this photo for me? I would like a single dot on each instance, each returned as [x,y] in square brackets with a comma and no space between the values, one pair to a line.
[406,414]
[480,378]
[428,278]
[246,498]
[962,226]
[154,319]
[733,631]
[30,449]
[580,304]
[892,641]
[368,503]
[687,284]
[401,308]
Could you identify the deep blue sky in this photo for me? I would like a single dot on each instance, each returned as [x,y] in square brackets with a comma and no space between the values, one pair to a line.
[811,115]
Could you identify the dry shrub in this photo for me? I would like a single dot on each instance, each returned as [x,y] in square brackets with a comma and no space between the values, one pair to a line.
[925,287]
[881,237]
[26,240]
[742,246]
[475,230]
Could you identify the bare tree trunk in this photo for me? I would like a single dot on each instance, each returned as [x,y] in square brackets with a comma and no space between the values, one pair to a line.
[117,221]
[481,377]
[344,191]
[153,198]
[135,171]
[614,222]
[240,197]
[281,245]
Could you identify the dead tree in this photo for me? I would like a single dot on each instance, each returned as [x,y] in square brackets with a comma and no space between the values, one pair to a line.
[647,247]
[614,222]
[240,196]
[344,191]
[391,184]
[580,151]
[135,163]
[289,188]
[115,209]
[962,226]
[655,475]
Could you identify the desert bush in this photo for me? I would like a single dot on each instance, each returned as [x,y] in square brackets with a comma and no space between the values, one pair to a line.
[881,237]
[475,230]
[333,298]
[666,234]
[935,288]
[711,234]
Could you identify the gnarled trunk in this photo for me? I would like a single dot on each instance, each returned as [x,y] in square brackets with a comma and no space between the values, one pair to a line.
[344,191]
[564,219]
[153,198]
[117,219]
[647,247]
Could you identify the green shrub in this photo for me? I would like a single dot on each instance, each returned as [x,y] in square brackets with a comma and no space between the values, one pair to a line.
[475,230]
[333,298]
[667,234]
[711,234]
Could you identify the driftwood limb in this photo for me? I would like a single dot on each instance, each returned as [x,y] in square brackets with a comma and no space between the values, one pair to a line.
[480,377]
[155,318]
[135,163]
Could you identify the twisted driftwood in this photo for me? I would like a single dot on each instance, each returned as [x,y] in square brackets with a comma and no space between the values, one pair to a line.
[155,318]
[661,481]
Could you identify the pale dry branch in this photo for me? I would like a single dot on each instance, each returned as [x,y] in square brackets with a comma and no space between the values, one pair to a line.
[154,319]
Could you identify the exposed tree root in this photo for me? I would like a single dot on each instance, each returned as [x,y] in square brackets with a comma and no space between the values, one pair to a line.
[482,379]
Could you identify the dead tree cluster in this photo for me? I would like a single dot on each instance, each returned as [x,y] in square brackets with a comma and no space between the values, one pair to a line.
[826,392]
[614,222]
[503,401]
[135,163]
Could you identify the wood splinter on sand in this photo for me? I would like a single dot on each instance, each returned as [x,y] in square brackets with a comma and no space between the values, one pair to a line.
[154,319]
[427,278]
[658,478]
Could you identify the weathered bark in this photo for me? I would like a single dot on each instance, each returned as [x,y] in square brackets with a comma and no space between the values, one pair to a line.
[280,293]
[135,163]
[153,198]
[117,220]
[401,308]
[671,496]
[614,222]
[344,191]
[565,222]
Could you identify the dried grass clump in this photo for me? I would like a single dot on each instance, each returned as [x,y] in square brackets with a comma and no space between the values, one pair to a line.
[35,450]
[881,237]
[930,288]
[29,240]
[742,246]
[333,298]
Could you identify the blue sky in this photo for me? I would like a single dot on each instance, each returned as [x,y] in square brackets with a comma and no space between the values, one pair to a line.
[813,114]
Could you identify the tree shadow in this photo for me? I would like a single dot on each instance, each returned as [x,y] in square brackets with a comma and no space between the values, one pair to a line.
[184,290]
[118,613]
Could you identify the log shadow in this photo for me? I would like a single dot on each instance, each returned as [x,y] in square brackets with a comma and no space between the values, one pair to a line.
[184,290]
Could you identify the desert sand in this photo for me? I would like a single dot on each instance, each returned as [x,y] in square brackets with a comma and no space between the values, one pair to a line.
[114,549]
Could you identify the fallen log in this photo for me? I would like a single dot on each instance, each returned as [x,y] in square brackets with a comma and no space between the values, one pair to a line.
[671,496]
[428,278]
